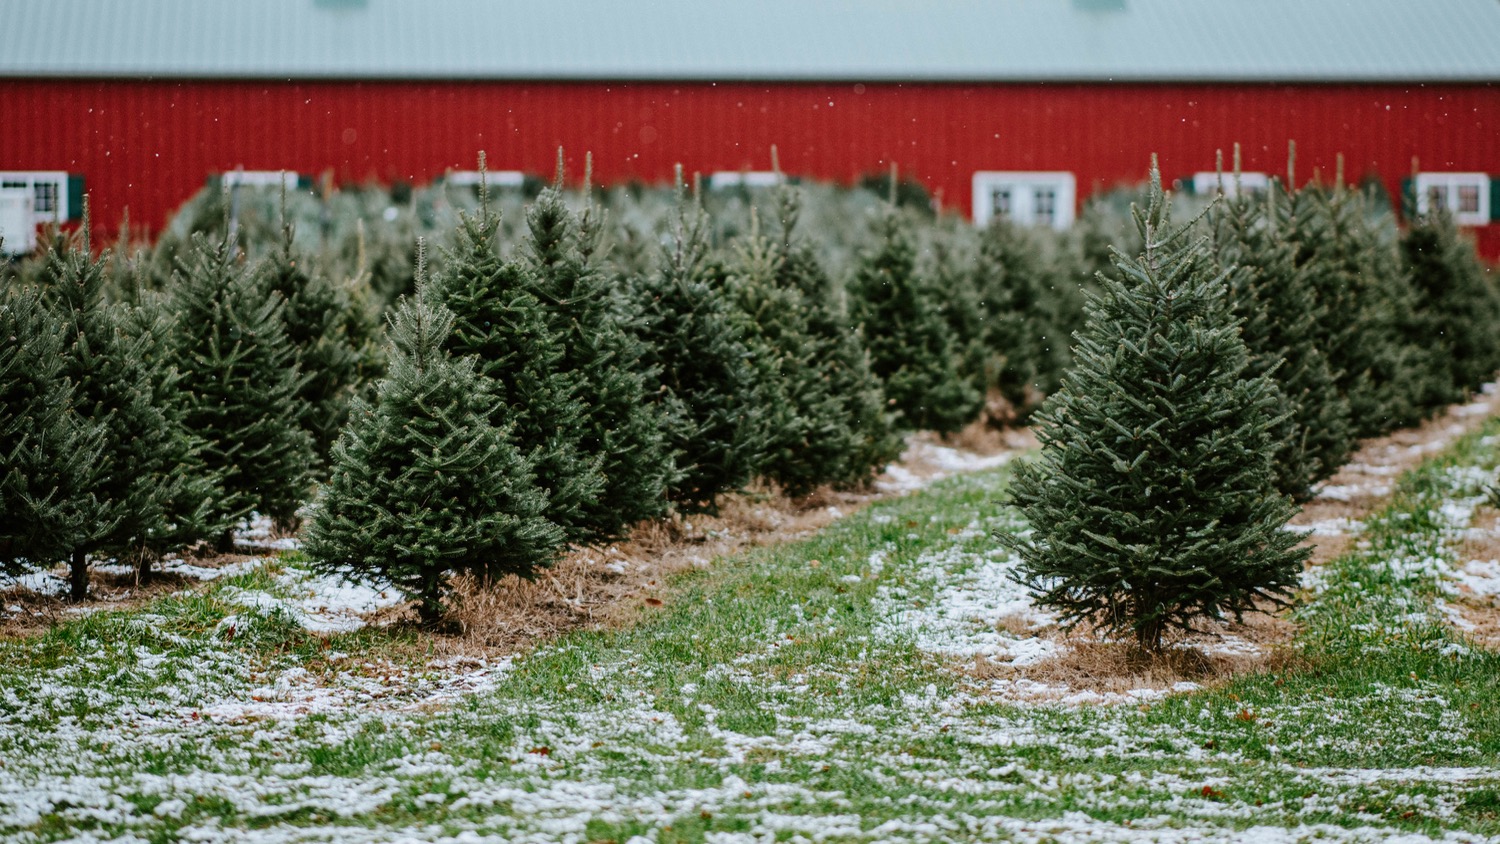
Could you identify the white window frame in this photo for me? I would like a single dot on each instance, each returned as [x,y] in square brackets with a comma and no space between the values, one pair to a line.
[259,179]
[1450,183]
[1025,186]
[15,204]
[744,178]
[1206,183]
[57,179]
[492,178]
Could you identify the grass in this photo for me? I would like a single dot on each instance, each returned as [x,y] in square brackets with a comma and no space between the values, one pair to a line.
[788,694]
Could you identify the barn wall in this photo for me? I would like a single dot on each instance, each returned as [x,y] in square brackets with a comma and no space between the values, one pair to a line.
[150,144]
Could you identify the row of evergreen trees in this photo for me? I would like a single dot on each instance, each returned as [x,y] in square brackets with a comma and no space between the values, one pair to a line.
[558,391]
[1221,374]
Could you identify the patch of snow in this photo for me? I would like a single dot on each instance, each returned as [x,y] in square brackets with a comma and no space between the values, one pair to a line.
[40,582]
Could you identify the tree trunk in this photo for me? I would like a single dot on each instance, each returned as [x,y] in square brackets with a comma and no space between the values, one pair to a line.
[143,570]
[79,580]
[225,543]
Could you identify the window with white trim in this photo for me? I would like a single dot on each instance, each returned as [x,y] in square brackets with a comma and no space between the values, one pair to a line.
[1030,198]
[744,178]
[49,192]
[259,179]
[1206,183]
[1465,195]
[491,178]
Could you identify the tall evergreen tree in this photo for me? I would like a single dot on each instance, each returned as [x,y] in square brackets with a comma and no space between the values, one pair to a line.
[1459,301]
[715,417]
[140,466]
[1152,502]
[423,483]
[911,347]
[1281,322]
[241,382]
[49,452]
[621,426]
[322,323]
[502,324]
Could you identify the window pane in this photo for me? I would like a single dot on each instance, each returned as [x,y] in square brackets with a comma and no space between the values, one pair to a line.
[1437,197]
[44,198]
[1468,199]
[1000,202]
[1045,206]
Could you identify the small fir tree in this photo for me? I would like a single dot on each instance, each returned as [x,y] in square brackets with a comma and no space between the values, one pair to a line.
[1458,300]
[110,365]
[322,323]
[911,347]
[502,324]
[1152,502]
[423,484]
[714,416]
[621,428]
[241,384]
[50,454]
[1280,322]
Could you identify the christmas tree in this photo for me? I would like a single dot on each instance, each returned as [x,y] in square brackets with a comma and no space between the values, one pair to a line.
[141,465]
[714,414]
[423,484]
[241,385]
[1281,323]
[911,347]
[502,324]
[50,453]
[620,427]
[1152,503]
[1459,301]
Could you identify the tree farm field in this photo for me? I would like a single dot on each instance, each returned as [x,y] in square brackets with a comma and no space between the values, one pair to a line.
[882,679]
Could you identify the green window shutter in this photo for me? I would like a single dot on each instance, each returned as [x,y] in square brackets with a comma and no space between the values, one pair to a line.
[75,197]
[1494,198]
[304,181]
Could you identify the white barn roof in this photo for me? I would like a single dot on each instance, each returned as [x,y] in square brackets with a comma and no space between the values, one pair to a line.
[915,40]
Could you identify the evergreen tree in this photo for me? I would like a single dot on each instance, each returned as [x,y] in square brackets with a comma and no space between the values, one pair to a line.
[1152,501]
[140,465]
[911,348]
[621,427]
[1027,308]
[423,485]
[502,324]
[1459,302]
[1281,323]
[322,323]
[49,452]
[713,412]
[241,385]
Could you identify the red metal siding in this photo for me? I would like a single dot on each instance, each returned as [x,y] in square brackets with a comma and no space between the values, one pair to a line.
[150,144]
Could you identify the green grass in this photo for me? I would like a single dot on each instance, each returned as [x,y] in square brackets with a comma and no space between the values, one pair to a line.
[771,699]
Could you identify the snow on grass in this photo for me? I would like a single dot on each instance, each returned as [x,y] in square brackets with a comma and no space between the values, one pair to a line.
[924,463]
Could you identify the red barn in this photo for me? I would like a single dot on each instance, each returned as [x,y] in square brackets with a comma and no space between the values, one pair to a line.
[1021,107]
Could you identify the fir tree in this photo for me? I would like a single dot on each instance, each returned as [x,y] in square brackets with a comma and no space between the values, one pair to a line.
[1152,500]
[1281,322]
[621,427]
[50,453]
[140,468]
[322,323]
[502,324]
[911,347]
[714,415]
[241,385]
[423,485]
[1460,304]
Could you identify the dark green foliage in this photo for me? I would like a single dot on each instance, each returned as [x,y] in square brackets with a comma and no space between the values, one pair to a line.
[714,415]
[1282,323]
[241,385]
[328,330]
[500,321]
[912,350]
[1152,501]
[49,452]
[1030,309]
[423,485]
[1460,304]
[141,469]
[621,428]
[1374,342]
